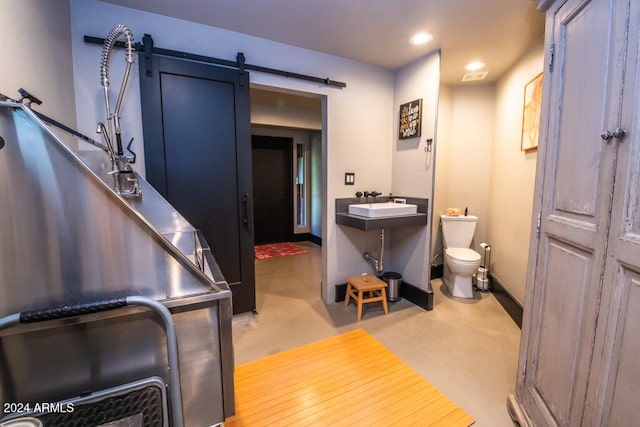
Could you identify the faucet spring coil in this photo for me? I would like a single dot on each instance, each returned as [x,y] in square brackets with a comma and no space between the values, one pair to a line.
[107,48]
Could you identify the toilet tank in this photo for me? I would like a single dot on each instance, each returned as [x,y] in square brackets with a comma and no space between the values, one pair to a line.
[457,231]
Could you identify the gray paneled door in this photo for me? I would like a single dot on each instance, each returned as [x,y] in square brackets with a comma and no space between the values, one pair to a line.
[581,334]
[196,120]
[613,390]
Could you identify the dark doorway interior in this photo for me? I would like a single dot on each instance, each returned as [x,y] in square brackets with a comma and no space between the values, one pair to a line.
[272,186]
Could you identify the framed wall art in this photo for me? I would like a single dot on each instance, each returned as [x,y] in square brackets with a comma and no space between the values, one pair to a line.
[410,119]
[531,114]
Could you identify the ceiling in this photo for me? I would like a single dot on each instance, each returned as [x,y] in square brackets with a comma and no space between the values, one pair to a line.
[377,32]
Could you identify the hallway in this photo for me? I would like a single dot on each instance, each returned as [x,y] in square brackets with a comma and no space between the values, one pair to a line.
[468,349]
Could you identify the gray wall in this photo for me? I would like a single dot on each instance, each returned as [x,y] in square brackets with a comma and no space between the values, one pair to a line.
[35,43]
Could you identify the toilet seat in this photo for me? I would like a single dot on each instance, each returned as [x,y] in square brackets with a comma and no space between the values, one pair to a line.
[463,254]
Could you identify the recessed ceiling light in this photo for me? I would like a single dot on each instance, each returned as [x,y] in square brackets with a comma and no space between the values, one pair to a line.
[421,38]
[473,66]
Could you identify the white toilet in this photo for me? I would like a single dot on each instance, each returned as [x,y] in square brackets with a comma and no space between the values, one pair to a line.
[460,261]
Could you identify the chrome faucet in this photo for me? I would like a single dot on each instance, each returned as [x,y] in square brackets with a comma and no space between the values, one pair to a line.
[371,194]
[102,129]
[126,185]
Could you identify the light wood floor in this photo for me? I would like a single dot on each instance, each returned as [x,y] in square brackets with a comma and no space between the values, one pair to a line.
[350,379]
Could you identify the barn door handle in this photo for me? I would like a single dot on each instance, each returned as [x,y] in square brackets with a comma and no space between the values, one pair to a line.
[245,210]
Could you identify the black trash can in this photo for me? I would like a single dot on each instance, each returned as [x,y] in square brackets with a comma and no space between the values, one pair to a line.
[393,280]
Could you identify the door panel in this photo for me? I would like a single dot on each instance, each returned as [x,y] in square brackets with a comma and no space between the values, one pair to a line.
[196,163]
[616,369]
[272,184]
[198,156]
[584,113]
[581,119]
[562,318]
[624,408]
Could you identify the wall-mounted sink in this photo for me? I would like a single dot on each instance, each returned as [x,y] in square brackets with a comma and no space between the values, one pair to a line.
[379,210]
[351,212]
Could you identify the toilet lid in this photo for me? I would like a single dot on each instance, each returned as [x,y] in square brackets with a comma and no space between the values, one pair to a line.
[463,254]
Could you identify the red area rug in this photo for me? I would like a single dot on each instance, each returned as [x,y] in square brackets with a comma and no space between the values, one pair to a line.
[275,250]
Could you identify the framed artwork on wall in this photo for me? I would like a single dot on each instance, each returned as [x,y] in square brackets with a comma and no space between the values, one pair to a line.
[410,119]
[531,114]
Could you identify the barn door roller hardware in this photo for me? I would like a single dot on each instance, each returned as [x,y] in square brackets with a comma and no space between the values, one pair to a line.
[148,48]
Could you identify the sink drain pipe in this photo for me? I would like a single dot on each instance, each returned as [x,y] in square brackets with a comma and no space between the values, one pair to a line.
[376,262]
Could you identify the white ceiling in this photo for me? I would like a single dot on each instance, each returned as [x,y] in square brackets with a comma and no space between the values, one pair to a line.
[377,32]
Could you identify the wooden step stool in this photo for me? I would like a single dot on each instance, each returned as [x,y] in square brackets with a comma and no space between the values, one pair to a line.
[374,287]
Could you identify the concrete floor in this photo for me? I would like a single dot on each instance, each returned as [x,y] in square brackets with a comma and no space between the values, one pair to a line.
[468,349]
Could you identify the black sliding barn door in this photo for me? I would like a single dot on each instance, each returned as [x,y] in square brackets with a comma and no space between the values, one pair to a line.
[197,137]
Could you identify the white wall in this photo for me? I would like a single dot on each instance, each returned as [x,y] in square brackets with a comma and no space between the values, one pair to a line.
[472,137]
[357,119]
[463,155]
[413,169]
[442,161]
[512,179]
[35,43]
[285,116]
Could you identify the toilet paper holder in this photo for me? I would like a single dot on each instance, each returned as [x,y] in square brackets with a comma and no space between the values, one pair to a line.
[482,275]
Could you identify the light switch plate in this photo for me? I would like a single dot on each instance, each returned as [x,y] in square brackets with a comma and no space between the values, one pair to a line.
[349,178]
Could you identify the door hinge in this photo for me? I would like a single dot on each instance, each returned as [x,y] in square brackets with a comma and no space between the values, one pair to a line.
[539,223]
[524,372]
[552,51]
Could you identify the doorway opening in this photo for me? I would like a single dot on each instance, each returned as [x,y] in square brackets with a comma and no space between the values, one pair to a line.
[286,129]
